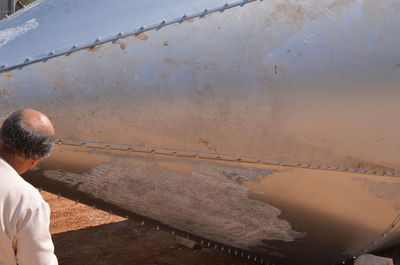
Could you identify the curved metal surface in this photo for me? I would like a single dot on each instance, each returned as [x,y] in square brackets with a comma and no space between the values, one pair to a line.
[306,82]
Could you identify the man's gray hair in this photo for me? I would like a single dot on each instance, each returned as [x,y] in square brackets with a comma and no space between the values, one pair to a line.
[19,139]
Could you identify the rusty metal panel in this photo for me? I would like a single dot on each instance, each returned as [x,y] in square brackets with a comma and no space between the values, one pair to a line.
[264,125]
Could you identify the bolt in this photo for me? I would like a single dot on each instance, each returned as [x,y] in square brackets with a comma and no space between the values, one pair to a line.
[158,227]
[202,242]
[163,23]
[142,223]
[74,47]
[248,256]
[209,244]
[141,28]
[222,248]
[229,250]
[28,59]
[97,40]
[51,53]
[236,252]
[255,258]
[120,34]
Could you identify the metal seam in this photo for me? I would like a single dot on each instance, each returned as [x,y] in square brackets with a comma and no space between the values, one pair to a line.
[221,157]
[385,235]
[120,35]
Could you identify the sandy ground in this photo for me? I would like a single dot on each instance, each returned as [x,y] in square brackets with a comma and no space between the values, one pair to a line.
[83,235]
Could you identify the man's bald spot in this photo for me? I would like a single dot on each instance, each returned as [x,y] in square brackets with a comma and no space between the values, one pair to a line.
[37,121]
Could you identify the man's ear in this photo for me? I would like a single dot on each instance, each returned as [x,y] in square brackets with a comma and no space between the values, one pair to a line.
[35,161]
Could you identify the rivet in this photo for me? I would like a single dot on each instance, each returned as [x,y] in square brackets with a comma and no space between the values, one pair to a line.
[141,28]
[226,5]
[255,258]
[142,223]
[184,16]
[248,257]
[343,262]
[354,257]
[262,261]
[205,10]
[384,235]
[74,47]
[120,34]
[51,53]
[163,23]
[173,232]
[202,242]
[241,255]
[28,59]
[209,244]
[97,40]
[215,246]
[222,248]
[236,252]
[158,227]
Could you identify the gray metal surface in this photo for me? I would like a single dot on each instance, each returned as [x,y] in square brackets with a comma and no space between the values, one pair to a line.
[7,7]
[181,110]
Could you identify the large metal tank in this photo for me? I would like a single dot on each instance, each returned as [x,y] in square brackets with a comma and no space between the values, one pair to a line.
[264,126]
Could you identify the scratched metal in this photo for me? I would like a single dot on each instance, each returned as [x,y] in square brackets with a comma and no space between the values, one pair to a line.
[308,82]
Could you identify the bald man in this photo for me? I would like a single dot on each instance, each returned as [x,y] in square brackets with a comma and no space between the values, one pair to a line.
[26,137]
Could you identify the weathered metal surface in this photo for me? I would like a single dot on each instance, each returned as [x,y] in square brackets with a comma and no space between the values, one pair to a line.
[220,119]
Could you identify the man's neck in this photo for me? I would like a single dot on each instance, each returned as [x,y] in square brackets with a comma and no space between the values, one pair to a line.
[11,159]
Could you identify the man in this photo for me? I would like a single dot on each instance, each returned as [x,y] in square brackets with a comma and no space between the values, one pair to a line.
[26,137]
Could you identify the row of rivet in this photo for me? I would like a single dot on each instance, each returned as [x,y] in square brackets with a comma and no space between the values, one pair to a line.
[203,242]
[219,157]
[120,35]
[380,240]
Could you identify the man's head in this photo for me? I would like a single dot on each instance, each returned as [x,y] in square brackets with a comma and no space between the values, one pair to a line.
[28,136]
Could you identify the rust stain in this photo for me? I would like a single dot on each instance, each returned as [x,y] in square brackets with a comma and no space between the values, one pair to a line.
[171,61]
[4,92]
[61,79]
[165,43]
[94,48]
[189,20]
[7,76]
[121,44]
[142,36]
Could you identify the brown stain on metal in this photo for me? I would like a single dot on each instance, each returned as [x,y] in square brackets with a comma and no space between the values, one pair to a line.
[189,20]
[94,48]
[171,61]
[121,44]
[142,36]
[4,92]
[7,76]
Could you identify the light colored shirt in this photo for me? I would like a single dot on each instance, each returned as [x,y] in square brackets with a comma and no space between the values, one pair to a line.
[24,222]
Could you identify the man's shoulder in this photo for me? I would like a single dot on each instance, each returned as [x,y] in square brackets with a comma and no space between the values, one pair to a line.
[15,188]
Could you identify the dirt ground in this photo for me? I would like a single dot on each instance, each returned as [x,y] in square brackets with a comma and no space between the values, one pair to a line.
[84,235]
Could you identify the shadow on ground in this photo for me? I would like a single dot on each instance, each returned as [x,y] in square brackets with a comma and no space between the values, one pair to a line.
[126,242]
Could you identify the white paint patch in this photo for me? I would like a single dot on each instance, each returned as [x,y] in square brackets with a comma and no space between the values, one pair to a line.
[9,34]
